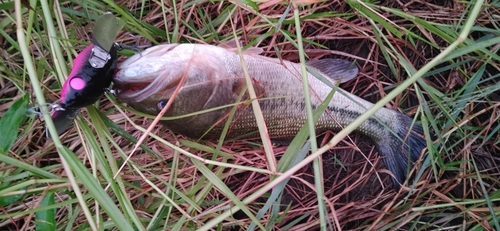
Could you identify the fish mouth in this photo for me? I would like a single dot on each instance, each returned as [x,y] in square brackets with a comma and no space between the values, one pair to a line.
[138,91]
[129,90]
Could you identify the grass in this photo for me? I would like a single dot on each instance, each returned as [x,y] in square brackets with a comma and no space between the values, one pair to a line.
[436,61]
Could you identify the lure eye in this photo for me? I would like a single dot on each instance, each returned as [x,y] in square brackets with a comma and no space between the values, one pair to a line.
[161,104]
[77,83]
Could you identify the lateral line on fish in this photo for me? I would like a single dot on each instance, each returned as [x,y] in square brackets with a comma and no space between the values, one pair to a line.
[166,118]
[241,113]
[229,116]
[341,91]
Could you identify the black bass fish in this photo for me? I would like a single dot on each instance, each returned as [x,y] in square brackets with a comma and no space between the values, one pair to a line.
[92,71]
[215,77]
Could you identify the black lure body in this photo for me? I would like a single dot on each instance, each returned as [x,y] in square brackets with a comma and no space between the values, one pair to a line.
[91,75]
[89,79]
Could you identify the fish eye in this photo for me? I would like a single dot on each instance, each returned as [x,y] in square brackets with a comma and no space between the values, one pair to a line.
[161,104]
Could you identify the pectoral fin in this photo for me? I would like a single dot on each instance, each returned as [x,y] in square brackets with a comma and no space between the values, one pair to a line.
[241,85]
[336,69]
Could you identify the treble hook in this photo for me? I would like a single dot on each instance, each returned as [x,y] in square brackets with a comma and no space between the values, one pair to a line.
[127,47]
[51,107]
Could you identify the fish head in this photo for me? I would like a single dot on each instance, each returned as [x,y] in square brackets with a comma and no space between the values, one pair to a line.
[147,81]
[149,78]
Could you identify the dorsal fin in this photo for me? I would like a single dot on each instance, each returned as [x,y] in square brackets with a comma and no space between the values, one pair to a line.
[336,69]
[231,45]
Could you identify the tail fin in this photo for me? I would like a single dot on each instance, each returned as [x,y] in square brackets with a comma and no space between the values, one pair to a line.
[402,147]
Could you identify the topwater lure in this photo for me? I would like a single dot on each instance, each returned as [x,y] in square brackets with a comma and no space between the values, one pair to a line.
[91,75]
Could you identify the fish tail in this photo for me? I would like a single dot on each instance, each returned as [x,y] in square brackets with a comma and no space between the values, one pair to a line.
[401,147]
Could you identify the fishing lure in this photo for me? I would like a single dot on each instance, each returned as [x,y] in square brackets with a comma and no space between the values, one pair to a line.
[91,75]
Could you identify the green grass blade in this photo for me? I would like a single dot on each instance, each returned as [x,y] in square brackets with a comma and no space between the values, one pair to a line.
[10,199]
[10,123]
[97,192]
[214,179]
[46,220]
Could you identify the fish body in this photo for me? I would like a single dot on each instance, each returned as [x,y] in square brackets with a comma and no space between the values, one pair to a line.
[91,74]
[214,77]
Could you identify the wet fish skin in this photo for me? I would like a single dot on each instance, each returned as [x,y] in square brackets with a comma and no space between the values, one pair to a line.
[214,77]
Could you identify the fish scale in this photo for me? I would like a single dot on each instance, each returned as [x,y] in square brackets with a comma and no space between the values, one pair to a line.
[292,108]
[215,77]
